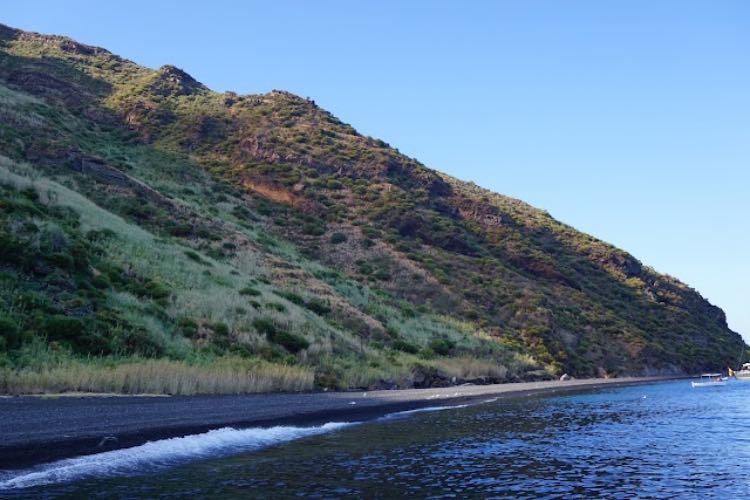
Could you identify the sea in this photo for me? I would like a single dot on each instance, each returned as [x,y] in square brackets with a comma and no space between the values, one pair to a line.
[661,440]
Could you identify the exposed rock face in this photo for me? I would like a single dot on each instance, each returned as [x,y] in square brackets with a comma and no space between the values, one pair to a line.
[170,81]
[78,48]
[629,266]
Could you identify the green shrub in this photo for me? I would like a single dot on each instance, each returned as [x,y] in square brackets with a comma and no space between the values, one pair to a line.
[207,234]
[291,297]
[313,229]
[289,341]
[221,335]
[404,346]
[101,281]
[157,290]
[179,230]
[334,184]
[441,347]
[318,306]
[220,329]
[197,258]
[9,337]
[337,238]
[250,291]
[59,327]
[264,326]
[364,267]
[276,306]
[371,232]
[188,327]
[382,275]
[59,259]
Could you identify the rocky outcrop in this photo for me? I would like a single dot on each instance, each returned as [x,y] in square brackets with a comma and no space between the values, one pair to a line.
[171,81]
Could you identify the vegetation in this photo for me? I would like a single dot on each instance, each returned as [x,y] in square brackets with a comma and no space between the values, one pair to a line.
[158,376]
[156,236]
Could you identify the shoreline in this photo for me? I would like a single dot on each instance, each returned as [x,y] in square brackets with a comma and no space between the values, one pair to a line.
[36,430]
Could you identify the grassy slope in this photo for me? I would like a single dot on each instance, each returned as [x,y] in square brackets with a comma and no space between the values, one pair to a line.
[258,234]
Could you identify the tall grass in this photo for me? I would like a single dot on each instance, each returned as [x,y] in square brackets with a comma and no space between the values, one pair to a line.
[470,368]
[224,376]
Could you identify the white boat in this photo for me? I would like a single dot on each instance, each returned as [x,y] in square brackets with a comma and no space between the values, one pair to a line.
[710,380]
[742,374]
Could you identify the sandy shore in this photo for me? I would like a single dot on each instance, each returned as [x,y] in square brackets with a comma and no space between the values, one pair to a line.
[40,429]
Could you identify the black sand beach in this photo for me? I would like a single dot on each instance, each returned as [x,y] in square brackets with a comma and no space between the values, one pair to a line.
[40,429]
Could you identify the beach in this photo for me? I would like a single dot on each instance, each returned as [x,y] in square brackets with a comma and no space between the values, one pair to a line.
[36,429]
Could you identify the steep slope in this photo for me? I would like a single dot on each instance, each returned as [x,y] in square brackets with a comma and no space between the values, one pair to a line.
[199,226]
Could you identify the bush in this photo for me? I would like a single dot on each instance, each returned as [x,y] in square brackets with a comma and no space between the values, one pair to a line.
[197,258]
[291,297]
[364,267]
[371,232]
[101,281]
[250,291]
[404,346]
[9,338]
[221,336]
[207,234]
[188,327]
[179,230]
[337,238]
[289,341]
[156,290]
[264,326]
[318,307]
[60,327]
[334,184]
[313,229]
[441,347]
[276,306]
[220,329]
[382,275]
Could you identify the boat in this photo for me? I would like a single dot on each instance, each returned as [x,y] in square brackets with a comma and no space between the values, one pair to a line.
[710,380]
[741,374]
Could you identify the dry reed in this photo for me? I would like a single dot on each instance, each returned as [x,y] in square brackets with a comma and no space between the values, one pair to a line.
[158,377]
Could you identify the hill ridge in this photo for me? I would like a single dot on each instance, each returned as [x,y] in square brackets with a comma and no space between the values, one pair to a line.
[299,243]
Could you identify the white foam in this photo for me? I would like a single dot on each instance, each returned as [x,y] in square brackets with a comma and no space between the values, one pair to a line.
[162,453]
[420,410]
[154,455]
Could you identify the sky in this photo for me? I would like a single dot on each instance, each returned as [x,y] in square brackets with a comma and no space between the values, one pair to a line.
[627,120]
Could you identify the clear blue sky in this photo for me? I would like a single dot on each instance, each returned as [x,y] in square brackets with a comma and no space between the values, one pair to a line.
[628,120]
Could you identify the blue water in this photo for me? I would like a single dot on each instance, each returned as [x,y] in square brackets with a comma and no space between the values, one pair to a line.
[658,441]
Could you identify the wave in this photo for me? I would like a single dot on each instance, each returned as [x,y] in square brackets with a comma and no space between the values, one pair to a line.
[160,454]
[163,453]
[406,413]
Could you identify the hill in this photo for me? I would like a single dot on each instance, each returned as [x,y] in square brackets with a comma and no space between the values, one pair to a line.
[157,236]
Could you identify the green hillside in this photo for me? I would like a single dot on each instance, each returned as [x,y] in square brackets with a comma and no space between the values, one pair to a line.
[156,236]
